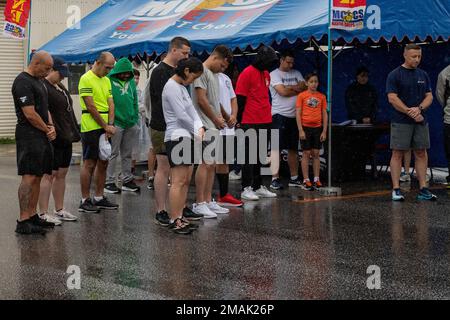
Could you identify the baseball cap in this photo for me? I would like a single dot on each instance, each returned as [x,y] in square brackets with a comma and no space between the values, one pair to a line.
[61,66]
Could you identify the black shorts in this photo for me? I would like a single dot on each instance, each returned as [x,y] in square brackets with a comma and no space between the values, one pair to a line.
[312,139]
[181,152]
[62,157]
[288,132]
[34,152]
[90,142]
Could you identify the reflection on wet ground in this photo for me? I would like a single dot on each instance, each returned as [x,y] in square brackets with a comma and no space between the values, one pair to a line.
[285,248]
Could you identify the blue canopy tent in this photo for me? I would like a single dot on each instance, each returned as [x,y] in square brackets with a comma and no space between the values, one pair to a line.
[131,27]
[145,27]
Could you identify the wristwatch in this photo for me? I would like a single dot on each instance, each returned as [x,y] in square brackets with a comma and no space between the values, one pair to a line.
[421,108]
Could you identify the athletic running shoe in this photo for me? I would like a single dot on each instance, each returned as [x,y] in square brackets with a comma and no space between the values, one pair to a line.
[130,186]
[41,222]
[276,184]
[318,185]
[162,218]
[64,215]
[191,215]
[297,183]
[88,206]
[111,188]
[50,218]
[106,204]
[307,185]
[425,194]
[249,194]
[405,177]
[214,207]
[229,201]
[26,227]
[397,195]
[262,192]
[202,208]
[151,183]
[179,227]
[233,176]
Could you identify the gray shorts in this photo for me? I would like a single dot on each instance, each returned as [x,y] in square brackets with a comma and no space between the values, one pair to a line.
[409,136]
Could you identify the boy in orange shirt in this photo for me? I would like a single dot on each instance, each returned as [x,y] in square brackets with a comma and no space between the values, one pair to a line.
[312,121]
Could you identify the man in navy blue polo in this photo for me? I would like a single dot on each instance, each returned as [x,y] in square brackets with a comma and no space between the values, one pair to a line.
[409,92]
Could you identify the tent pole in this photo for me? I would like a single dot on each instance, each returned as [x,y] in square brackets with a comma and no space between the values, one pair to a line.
[329,97]
[29,34]
[330,191]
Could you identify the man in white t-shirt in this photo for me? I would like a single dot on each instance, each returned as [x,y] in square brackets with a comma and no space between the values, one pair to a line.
[285,84]
[229,108]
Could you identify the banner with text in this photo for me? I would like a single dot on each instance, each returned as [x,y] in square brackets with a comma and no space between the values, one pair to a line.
[16,18]
[348,14]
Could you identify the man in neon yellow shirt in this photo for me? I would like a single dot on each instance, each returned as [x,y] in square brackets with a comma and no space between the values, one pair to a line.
[97,107]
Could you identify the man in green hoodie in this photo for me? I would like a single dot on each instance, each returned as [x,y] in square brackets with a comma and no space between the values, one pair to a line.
[126,122]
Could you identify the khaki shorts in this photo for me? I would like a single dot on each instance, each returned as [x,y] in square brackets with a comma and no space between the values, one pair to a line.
[157,138]
[409,136]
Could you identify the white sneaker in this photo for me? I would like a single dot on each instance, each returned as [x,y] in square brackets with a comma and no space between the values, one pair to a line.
[264,193]
[202,208]
[405,177]
[63,215]
[249,194]
[214,207]
[51,219]
[233,176]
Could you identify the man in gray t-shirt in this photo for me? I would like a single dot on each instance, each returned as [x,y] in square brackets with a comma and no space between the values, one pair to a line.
[205,93]
[209,82]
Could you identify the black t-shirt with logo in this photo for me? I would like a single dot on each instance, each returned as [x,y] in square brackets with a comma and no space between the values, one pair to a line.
[162,73]
[29,91]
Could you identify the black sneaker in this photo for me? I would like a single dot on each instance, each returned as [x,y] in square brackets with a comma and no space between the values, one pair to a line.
[179,227]
[27,227]
[151,183]
[106,204]
[295,183]
[191,225]
[276,184]
[111,188]
[191,215]
[37,221]
[162,218]
[130,186]
[88,206]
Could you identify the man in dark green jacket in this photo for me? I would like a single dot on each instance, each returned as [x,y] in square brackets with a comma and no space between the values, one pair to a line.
[126,122]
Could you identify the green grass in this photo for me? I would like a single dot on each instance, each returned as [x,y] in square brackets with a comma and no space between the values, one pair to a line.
[7,141]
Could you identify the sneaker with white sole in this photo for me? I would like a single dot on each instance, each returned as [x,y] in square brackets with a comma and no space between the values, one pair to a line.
[405,177]
[63,215]
[202,208]
[249,194]
[262,192]
[50,218]
[214,207]
[233,176]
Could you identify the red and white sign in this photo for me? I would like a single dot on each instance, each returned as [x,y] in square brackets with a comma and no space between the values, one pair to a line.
[348,14]
[16,18]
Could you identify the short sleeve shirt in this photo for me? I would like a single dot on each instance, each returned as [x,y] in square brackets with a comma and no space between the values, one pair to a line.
[160,75]
[411,86]
[29,91]
[284,106]
[100,90]
[254,85]
[312,105]
[209,82]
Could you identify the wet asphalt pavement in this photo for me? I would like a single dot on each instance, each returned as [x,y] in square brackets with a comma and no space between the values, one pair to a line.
[298,246]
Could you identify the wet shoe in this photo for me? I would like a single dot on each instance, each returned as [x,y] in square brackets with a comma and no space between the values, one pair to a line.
[179,227]
[426,195]
[88,206]
[41,222]
[26,227]
[233,176]
[214,207]
[229,201]
[307,185]
[191,225]
[276,184]
[202,208]
[151,183]
[296,183]
[191,215]
[106,204]
[397,195]
[64,215]
[405,177]
[249,194]
[111,188]
[318,185]
[262,192]
[51,219]
[131,186]
[162,218]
